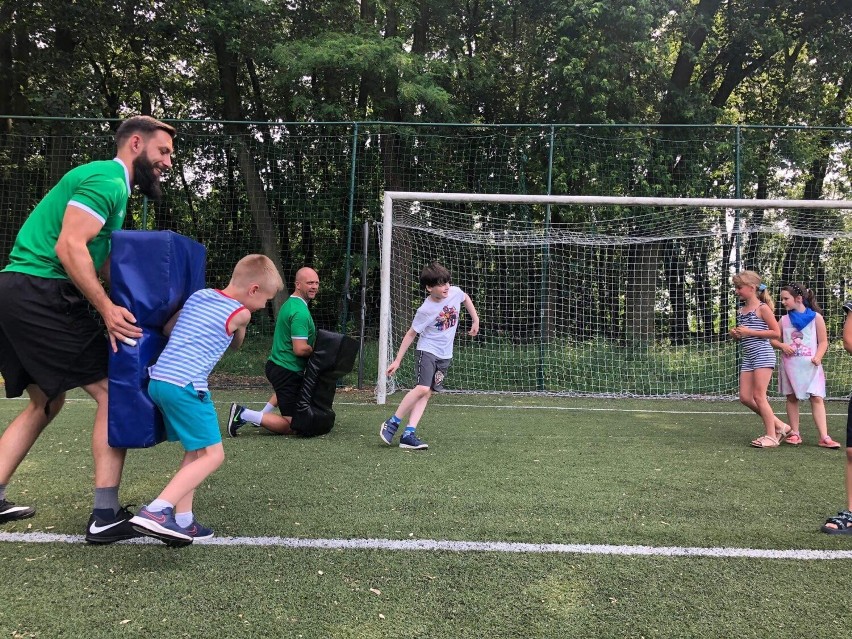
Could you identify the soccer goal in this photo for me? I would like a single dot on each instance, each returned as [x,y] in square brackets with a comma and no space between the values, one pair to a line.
[606,296]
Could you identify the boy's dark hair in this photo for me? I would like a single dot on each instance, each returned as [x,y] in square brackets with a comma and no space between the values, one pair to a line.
[434,274]
[144,124]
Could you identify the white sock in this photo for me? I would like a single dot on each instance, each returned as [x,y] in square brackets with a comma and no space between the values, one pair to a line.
[268,408]
[253,416]
[184,519]
[158,505]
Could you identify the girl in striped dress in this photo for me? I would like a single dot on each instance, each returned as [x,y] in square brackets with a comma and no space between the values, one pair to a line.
[756,325]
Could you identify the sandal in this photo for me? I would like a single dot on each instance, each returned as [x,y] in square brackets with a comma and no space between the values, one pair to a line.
[794,439]
[781,435]
[828,442]
[842,524]
[765,442]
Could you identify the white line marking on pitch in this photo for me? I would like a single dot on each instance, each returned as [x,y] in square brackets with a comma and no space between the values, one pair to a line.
[463,546]
[585,409]
[582,409]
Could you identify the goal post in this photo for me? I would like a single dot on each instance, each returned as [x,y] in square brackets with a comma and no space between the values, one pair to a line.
[603,295]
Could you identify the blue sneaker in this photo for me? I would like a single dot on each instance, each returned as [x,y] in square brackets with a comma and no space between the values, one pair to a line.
[235,420]
[410,441]
[161,525]
[198,531]
[387,431]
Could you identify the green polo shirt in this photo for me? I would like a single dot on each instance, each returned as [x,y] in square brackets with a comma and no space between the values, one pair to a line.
[101,189]
[294,321]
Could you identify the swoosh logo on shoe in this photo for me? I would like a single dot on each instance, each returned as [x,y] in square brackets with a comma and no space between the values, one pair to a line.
[96,530]
[160,519]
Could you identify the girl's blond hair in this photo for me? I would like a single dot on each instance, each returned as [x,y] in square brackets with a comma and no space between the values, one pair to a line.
[750,278]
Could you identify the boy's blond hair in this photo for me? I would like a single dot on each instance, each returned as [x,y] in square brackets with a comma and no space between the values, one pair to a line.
[257,269]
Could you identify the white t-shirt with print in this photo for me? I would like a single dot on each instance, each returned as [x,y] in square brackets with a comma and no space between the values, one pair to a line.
[436,322]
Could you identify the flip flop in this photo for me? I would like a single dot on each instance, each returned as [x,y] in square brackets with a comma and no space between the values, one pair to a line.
[765,441]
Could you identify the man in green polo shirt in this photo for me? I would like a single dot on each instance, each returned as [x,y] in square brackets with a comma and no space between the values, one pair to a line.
[49,341]
[292,345]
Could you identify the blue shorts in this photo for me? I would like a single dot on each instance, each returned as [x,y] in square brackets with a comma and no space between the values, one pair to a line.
[189,415]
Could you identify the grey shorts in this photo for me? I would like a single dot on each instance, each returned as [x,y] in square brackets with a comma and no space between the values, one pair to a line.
[431,371]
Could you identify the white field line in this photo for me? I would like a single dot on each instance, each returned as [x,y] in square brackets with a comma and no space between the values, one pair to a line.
[433,545]
[579,409]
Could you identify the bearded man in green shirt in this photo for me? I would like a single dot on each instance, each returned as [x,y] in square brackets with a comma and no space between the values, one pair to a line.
[49,341]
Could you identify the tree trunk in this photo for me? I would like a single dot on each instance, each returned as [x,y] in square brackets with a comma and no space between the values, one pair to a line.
[641,293]
[227,65]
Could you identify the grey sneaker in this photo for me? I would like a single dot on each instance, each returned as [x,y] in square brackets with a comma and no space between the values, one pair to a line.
[387,431]
[235,420]
[411,442]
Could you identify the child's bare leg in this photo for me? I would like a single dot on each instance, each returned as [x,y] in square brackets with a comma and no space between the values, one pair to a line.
[793,412]
[747,397]
[418,408]
[192,473]
[185,504]
[760,384]
[818,410]
[411,399]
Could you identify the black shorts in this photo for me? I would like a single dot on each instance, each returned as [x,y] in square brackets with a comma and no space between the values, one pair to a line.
[431,371]
[849,425]
[48,336]
[287,385]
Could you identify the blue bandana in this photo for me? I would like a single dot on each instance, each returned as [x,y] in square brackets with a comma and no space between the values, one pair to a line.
[800,320]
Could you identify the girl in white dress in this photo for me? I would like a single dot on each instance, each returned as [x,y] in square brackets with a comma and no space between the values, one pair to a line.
[803,345]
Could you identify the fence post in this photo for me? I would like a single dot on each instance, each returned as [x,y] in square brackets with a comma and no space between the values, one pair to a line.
[545,267]
[737,194]
[344,311]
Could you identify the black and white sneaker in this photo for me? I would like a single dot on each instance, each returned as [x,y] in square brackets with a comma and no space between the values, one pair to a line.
[108,531]
[11,512]
[235,419]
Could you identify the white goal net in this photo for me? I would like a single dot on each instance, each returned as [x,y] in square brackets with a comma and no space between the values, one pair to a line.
[606,296]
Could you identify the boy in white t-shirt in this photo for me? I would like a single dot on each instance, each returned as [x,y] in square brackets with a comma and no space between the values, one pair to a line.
[436,322]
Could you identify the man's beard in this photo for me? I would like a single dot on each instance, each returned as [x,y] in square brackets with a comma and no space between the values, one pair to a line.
[146,179]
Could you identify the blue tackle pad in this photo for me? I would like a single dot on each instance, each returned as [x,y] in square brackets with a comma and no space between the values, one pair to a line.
[152,273]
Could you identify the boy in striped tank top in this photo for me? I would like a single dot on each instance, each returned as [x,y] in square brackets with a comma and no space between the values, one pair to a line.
[209,323]
[756,325]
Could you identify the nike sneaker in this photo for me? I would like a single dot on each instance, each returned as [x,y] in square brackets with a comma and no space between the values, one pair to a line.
[11,512]
[235,419]
[161,525]
[110,529]
[198,531]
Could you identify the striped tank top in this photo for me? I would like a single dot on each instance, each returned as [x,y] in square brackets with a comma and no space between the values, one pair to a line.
[199,339]
[757,351]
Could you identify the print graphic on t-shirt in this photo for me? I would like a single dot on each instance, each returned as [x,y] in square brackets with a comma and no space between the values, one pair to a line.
[447,318]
